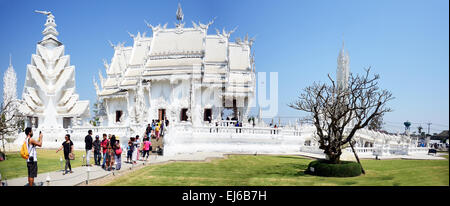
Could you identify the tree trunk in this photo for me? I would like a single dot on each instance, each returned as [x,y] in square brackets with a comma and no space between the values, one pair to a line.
[3,143]
[356,156]
[333,157]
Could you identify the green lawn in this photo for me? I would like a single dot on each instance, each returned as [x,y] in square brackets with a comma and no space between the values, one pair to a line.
[48,160]
[249,170]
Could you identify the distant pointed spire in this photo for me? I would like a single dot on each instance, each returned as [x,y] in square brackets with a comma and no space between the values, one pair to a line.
[343,68]
[180,17]
[180,14]
[9,83]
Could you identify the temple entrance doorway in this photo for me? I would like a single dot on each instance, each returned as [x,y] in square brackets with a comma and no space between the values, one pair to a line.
[183,115]
[161,114]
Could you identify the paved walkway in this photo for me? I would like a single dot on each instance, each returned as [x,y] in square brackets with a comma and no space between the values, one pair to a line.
[80,174]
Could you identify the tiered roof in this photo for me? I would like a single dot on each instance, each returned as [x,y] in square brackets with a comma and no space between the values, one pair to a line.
[180,53]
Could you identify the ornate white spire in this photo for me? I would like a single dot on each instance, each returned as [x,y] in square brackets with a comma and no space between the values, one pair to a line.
[343,69]
[50,32]
[49,90]
[180,16]
[9,83]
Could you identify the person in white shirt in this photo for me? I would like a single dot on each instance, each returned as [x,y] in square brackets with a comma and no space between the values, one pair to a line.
[32,159]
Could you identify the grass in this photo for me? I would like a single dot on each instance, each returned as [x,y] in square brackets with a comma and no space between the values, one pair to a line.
[48,160]
[249,170]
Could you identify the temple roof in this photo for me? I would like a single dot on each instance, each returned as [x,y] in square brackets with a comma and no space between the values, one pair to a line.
[178,53]
[177,41]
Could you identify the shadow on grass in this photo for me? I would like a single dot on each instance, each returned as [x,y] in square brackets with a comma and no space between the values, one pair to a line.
[288,170]
[294,157]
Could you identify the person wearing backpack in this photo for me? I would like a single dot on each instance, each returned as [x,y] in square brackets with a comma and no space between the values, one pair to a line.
[32,165]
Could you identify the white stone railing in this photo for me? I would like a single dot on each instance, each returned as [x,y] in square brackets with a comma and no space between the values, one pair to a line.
[360,150]
[99,130]
[246,130]
[226,123]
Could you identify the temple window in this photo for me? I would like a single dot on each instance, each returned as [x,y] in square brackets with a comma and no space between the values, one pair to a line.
[207,115]
[184,116]
[67,122]
[36,122]
[118,115]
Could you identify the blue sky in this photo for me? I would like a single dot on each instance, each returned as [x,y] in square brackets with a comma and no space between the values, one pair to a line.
[406,42]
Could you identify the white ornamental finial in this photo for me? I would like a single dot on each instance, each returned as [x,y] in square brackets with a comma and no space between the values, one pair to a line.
[180,14]
[50,30]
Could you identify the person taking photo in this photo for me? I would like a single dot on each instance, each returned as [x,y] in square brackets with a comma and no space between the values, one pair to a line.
[32,165]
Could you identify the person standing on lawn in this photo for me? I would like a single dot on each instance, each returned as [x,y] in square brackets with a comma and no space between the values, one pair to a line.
[68,148]
[88,147]
[32,158]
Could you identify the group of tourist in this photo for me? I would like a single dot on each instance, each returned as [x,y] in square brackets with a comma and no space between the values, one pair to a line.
[108,149]
[156,128]
[136,149]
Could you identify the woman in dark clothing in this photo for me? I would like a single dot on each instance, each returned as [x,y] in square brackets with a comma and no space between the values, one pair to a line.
[68,148]
[111,150]
[97,150]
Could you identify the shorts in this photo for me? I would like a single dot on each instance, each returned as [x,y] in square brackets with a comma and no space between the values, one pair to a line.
[32,169]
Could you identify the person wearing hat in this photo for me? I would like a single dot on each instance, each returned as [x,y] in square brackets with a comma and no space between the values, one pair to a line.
[97,150]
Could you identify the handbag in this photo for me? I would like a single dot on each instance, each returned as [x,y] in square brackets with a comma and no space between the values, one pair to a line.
[119,151]
[71,156]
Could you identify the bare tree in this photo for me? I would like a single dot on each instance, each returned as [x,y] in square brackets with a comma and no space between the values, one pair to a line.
[338,111]
[11,121]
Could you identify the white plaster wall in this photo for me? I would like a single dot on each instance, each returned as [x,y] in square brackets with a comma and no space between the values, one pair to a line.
[114,105]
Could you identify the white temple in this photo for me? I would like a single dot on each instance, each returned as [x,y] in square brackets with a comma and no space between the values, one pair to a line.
[182,74]
[49,100]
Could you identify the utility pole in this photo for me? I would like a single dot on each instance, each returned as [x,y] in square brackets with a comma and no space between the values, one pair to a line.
[428,137]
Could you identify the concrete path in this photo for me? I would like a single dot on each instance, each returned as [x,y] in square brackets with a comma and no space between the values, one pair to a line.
[80,174]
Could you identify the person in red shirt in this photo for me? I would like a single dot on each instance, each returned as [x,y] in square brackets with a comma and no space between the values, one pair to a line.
[104,146]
